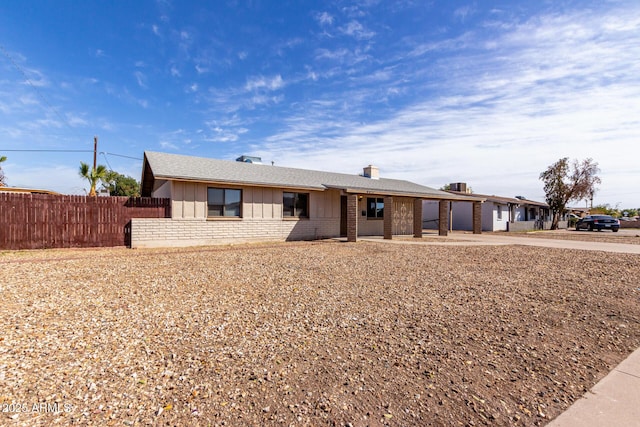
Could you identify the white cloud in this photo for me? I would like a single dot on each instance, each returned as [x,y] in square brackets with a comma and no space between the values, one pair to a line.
[35,78]
[258,83]
[225,135]
[75,120]
[168,145]
[463,12]
[337,54]
[500,110]
[357,30]
[141,79]
[324,18]
[342,55]
[200,69]
[312,75]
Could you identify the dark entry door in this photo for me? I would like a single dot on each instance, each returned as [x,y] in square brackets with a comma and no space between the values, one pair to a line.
[343,216]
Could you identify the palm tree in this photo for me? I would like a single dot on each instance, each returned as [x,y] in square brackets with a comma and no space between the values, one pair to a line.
[93,175]
[2,183]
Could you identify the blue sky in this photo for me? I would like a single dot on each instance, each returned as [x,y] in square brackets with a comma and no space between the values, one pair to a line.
[484,92]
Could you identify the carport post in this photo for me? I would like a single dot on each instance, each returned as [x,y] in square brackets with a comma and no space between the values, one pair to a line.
[417,218]
[388,218]
[477,217]
[443,218]
[352,217]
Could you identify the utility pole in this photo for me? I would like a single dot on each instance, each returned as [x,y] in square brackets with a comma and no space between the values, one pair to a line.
[95,152]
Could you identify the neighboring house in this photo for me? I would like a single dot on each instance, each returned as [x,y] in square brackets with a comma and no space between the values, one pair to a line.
[26,190]
[216,200]
[498,213]
[578,212]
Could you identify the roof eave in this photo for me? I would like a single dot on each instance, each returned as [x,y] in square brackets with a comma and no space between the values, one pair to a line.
[426,196]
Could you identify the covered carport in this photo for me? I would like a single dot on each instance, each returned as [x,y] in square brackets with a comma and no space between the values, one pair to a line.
[444,212]
[403,211]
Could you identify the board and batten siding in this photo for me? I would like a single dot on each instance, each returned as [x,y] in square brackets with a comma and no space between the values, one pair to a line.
[189,201]
[261,218]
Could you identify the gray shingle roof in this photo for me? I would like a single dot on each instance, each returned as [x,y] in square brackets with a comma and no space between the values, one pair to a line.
[505,200]
[189,168]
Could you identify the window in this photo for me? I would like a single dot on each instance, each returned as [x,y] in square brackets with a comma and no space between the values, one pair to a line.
[499,210]
[375,207]
[295,205]
[224,202]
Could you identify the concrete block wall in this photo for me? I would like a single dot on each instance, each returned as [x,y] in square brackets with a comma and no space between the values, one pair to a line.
[167,232]
[521,226]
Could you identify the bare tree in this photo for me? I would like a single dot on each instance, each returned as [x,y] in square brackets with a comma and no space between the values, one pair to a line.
[564,183]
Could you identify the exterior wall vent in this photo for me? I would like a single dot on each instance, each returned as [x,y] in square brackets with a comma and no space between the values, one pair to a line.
[250,159]
[371,172]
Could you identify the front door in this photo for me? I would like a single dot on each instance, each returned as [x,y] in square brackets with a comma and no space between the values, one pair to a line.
[343,216]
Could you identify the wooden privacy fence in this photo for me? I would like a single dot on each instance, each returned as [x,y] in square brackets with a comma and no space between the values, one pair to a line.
[630,224]
[36,221]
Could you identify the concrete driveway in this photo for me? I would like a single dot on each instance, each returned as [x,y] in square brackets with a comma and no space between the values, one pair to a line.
[458,238]
[511,239]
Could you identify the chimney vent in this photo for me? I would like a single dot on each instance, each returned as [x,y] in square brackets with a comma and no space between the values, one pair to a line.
[372,172]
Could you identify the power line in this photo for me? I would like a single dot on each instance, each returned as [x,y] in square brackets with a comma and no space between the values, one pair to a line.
[67,151]
[121,155]
[49,151]
[30,83]
[106,160]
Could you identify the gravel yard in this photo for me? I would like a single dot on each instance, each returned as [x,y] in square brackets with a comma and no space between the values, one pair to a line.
[313,333]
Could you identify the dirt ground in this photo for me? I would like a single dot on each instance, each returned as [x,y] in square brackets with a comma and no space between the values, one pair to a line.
[315,333]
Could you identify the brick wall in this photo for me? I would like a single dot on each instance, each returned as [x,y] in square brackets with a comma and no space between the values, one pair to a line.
[352,217]
[166,232]
[477,217]
[443,214]
[417,218]
[389,210]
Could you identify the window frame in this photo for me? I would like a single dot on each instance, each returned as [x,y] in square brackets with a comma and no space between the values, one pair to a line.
[378,212]
[290,212]
[226,204]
